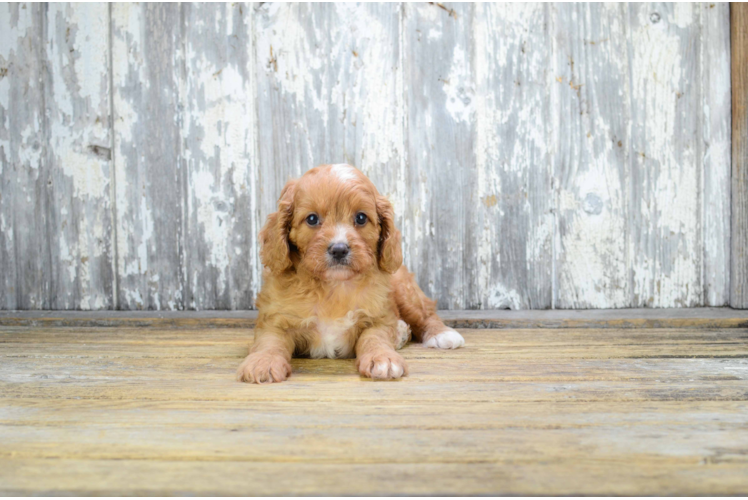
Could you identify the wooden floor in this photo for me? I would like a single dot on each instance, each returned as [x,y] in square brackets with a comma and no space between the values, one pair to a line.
[152,410]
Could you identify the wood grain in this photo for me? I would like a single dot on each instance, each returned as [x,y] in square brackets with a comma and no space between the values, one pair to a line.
[148,410]
[739,241]
[109,478]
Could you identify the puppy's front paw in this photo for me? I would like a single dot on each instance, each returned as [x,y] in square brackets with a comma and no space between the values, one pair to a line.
[448,339]
[403,334]
[263,368]
[382,365]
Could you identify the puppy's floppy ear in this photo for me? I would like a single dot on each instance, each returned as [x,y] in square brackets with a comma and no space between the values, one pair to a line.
[275,252]
[390,253]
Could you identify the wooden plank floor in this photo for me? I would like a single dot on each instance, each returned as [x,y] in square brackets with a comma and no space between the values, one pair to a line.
[123,410]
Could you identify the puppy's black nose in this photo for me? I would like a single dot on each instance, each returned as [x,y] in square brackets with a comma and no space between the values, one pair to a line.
[339,251]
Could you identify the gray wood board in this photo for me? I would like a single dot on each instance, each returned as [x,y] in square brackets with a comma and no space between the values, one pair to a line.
[739,242]
[147,153]
[55,164]
[591,91]
[218,157]
[716,139]
[665,157]
[537,155]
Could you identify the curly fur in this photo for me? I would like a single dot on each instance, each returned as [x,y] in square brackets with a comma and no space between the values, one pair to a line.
[309,305]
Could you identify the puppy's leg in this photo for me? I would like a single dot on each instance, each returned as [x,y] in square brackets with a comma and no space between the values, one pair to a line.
[420,313]
[269,358]
[376,356]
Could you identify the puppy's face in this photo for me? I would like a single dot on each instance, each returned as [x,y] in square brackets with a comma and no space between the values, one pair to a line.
[333,223]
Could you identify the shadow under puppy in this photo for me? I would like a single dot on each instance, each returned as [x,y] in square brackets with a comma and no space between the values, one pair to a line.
[334,285]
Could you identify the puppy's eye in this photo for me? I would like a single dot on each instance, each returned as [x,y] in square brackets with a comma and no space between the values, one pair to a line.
[312,219]
[360,219]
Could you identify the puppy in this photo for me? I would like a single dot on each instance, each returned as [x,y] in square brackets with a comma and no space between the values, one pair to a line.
[334,285]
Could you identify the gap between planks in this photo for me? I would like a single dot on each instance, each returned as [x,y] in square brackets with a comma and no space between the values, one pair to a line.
[705,317]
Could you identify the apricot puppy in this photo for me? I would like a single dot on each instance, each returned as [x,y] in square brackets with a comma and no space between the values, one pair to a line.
[334,285]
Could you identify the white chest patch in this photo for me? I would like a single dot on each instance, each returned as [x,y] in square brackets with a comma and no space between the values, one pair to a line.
[332,339]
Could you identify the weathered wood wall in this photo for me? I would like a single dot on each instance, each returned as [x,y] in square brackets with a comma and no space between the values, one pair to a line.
[538,156]
[739,257]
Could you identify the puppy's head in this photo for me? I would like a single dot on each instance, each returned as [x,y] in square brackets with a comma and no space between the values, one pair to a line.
[334,223]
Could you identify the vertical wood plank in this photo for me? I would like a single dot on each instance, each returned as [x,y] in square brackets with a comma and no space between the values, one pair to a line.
[57,251]
[591,140]
[328,91]
[739,183]
[25,258]
[78,156]
[509,211]
[218,131]
[715,116]
[665,156]
[146,47]
[440,134]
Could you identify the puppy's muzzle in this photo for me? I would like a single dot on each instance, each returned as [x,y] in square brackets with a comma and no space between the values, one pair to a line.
[339,252]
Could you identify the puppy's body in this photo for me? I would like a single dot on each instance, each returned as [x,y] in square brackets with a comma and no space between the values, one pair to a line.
[323,318]
[334,284]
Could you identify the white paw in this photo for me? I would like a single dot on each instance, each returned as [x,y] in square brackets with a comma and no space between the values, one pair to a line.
[382,366]
[386,370]
[448,339]
[403,334]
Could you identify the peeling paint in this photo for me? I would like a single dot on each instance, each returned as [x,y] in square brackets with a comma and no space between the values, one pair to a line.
[459,88]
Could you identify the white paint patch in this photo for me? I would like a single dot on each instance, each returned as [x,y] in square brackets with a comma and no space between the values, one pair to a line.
[448,339]
[7,232]
[683,15]
[434,34]
[30,150]
[67,261]
[500,297]
[344,172]
[459,88]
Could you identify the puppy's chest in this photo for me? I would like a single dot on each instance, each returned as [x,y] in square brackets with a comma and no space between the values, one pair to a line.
[334,338]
